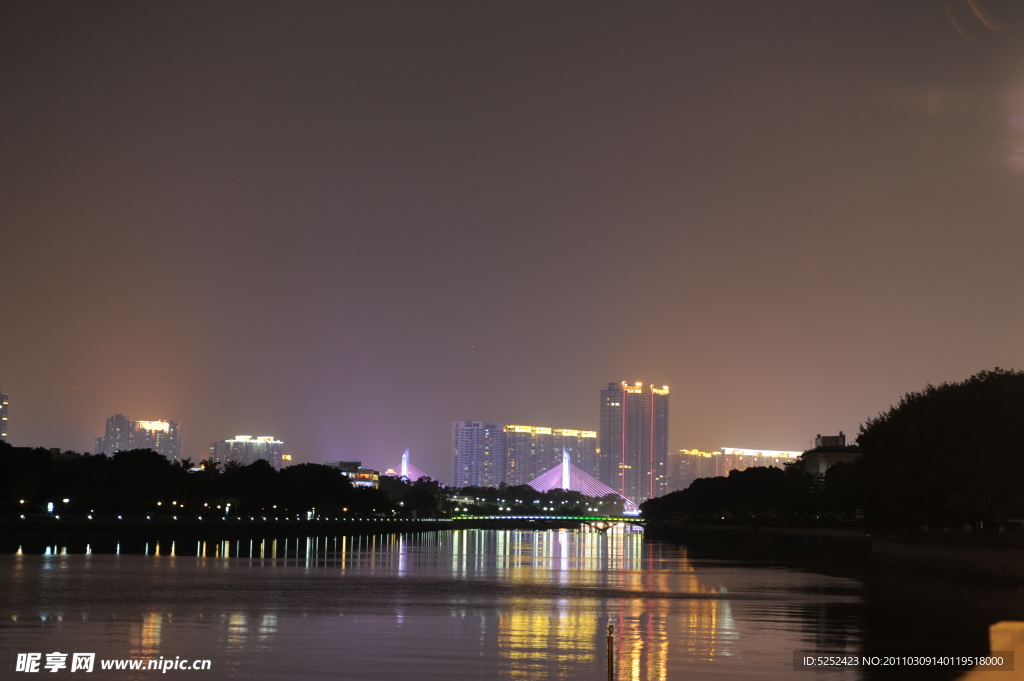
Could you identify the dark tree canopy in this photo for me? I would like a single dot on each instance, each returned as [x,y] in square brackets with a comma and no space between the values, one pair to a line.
[754,493]
[142,481]
[952,453]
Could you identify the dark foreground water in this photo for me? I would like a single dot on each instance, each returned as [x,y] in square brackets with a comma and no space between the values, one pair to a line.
[470,604]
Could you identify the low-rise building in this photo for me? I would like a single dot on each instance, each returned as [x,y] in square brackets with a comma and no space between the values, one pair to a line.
[354,471]
[828,451]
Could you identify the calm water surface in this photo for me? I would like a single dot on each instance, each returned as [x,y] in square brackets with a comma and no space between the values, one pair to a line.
[471,604]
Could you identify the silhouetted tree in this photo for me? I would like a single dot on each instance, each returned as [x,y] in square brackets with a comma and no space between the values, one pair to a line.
[310,486]
[395,487]
[250,489]
[421,497]
[137,479]
[843,493]
[952,453]
[754,493]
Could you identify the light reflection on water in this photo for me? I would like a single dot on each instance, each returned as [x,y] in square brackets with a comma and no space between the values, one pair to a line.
[485,604]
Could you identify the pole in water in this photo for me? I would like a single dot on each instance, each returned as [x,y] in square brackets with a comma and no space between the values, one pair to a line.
[611,652]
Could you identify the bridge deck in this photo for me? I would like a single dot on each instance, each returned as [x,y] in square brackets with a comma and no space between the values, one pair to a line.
[632,520]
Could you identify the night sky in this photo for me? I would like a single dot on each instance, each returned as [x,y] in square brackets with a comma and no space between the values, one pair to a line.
[349,224]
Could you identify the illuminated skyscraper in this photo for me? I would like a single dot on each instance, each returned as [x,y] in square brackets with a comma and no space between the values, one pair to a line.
[160,436]
[117,437]
[687,465]
[734,459]
[478,454]
[123,434]
[532,450]
[529,451]
[246,449]
[634,440]
[581,446]
[3,416]
[488,454]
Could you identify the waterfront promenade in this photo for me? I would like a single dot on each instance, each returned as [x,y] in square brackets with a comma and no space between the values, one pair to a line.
[74,530]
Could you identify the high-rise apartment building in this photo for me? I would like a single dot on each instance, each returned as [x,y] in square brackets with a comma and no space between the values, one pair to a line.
[123,434]
[478,454]
[687,465]
[3,416]
[533,450]
[487,454]
[734,459]
[634,440]
[246,449]
[580,445]
[117,437]
[529,451]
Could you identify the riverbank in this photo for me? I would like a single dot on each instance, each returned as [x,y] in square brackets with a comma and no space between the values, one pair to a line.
[980,557]
[34,534]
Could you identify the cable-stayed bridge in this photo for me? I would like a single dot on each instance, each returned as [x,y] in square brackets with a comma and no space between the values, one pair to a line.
[567,476]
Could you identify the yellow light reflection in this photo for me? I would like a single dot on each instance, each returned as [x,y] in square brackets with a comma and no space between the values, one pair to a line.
[145,636]
[539,644]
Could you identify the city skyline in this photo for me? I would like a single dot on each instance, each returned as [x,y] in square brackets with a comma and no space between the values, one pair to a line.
[632,457]
[791,212]
[123,433]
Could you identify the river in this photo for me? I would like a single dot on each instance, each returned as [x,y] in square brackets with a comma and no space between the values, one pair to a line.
[470,604]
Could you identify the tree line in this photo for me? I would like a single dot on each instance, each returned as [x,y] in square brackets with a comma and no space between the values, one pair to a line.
[146,482]
[947,456]
[765,494]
